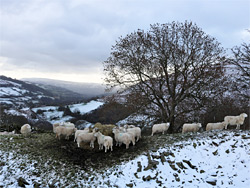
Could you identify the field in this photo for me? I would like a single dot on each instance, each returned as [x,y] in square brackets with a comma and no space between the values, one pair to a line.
[204,159]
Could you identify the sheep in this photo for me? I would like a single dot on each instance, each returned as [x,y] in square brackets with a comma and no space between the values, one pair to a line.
[213,126]
[235,120]
[132,137]
[121,137]
[129,126]
[193,127]
[105,141]
[68,124]
[25,129]
[87,138]
[66,131]
[160,128]
[136,131]
[8,133]
[86,130]
[54,126]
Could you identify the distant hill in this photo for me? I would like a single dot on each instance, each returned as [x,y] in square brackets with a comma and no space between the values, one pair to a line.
[88,90]
[17,93]
[21,94]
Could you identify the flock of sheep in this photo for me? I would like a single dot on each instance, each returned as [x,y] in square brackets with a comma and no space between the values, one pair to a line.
[129,133]
[123,135]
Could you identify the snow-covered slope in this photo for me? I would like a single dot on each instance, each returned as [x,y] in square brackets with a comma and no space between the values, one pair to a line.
[20,94]
[53,115]
[208,159]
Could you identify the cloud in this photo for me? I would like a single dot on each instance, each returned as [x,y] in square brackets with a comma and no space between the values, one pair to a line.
[75,37]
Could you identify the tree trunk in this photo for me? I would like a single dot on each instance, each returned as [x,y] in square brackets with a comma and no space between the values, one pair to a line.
[172,119]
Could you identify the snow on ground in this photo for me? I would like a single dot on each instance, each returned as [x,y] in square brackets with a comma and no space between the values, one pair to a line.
[10,91]
[5,100]
[45,108]
[85,108]
[136,119]
[224,161]
[61,119]
[15,112]
[201,161]
[52,114]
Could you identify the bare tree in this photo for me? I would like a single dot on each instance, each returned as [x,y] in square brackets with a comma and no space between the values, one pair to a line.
[241,59]
[164,67]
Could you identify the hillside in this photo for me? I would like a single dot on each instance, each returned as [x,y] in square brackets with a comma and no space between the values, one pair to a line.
[207,159]
[88,90]
[21,94]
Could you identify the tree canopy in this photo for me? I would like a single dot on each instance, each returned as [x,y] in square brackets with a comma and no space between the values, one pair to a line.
[168,70]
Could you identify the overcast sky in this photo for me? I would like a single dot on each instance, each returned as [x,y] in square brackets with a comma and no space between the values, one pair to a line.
[69,39]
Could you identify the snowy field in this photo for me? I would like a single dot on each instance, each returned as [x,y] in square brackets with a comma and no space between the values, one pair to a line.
[203,160]
[85,108]
[51,113]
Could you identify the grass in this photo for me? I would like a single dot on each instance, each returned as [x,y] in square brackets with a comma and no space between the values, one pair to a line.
[64,158]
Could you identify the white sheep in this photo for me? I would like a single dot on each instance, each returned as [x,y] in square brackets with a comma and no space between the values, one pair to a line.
[121,137]
[191,127]
[68,124]
[235,120]
[54,126]
[86,130]
[136,131]
[25,129]
[162,127]
[129,126]
[8,133]
[87,138]
[105,141]
[65,131]
[131,133]
[213,126]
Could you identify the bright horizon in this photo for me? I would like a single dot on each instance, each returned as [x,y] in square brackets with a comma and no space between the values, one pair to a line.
[69,40]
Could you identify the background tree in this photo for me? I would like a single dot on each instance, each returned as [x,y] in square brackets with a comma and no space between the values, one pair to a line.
[241,59]
[166,67]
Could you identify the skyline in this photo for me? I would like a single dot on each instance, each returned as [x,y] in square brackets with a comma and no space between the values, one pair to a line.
[69,40]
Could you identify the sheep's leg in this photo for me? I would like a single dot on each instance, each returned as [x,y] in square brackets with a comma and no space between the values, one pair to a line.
[78,144]
[238,126]
[152,133]
[226,126]
[162,132]
[127,145]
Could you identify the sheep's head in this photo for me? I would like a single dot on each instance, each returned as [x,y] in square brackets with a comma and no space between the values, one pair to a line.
[224,124]
[115,130]
[244,115]
[97,134]
[199,125]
